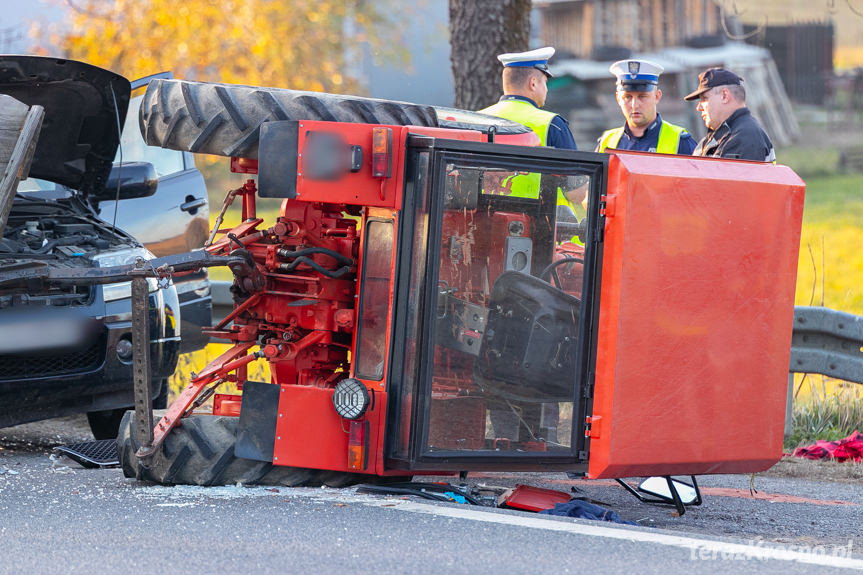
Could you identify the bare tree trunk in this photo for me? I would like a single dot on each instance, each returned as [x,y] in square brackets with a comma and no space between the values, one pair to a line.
[479,31]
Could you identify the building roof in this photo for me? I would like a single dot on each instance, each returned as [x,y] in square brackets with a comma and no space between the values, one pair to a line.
[596,70]
[730,54]
[673,60]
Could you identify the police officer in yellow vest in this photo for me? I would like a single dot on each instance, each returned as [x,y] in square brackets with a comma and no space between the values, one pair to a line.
[638,94]
[525,75]
[524,90]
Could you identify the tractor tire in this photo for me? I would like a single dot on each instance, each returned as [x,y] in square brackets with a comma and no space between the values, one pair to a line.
[201,452]
[225,119]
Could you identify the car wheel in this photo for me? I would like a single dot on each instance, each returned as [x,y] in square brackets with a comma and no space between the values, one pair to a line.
[161,402]
[105,424]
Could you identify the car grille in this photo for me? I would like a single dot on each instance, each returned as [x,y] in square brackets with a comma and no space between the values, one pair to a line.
[66,362]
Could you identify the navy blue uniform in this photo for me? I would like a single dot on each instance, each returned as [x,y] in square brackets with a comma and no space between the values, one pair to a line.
[559,134]
[740,137]
[648,142]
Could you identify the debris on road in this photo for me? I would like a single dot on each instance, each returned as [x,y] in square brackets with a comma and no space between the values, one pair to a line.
[847,449]
[585,510]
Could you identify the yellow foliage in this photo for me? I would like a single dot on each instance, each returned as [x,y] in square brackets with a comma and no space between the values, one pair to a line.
[194,362]
[297,44]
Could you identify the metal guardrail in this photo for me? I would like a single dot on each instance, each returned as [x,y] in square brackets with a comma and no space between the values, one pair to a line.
[828,342]
[824,341]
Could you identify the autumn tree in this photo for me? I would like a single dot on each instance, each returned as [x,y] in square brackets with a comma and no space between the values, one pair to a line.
[297,44]
[479,31]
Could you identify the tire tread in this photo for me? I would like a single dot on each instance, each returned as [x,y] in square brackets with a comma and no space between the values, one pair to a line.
[201,452]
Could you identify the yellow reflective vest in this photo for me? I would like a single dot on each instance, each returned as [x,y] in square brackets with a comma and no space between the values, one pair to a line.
[525,113]
[669,138]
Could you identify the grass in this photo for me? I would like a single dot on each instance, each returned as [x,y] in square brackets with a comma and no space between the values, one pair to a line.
[833,409]
[830,270]
[829,274]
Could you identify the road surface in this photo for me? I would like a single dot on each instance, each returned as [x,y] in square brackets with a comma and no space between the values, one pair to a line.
[56,517]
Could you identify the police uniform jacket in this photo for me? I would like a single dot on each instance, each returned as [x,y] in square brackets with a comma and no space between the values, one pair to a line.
[739,137]
[552,129]
[676,140]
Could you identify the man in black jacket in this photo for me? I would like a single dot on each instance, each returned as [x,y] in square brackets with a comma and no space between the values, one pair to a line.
[732,131]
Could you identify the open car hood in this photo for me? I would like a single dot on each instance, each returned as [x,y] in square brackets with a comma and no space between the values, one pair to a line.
[84,107]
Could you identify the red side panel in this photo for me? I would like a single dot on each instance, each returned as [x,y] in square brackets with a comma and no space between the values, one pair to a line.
[361,188]
[696,309]
[309,432]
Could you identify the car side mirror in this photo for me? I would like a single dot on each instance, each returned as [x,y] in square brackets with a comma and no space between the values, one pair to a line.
[134,180]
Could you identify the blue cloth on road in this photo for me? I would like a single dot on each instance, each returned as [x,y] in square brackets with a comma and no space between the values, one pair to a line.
[585,510]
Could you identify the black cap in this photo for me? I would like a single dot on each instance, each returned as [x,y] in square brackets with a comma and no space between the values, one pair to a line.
[713,77]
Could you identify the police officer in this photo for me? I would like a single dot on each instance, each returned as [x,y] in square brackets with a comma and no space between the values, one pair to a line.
[525,75]
[732,131]
[638,94]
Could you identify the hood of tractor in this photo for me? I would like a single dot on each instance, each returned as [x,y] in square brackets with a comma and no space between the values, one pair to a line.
[85,107]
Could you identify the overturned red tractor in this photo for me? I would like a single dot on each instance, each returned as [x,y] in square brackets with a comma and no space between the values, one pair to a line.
[428,302]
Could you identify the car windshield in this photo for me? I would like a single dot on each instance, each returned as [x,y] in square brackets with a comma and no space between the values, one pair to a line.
[132,149]
[34,188]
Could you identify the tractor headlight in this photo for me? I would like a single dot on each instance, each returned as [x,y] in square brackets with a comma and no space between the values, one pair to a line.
[113,292]
[351,398]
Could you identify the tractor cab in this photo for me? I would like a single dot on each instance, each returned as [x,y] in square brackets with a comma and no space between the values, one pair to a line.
[490,347]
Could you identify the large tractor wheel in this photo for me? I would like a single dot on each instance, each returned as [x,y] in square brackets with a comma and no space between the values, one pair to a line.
[225,119]
[201,452]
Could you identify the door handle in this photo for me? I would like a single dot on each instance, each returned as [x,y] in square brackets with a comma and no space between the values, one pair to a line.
[193,204]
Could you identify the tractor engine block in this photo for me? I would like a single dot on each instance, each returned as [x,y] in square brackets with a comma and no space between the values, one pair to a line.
[299,301]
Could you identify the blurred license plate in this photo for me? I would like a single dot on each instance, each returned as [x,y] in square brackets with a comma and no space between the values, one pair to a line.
[42,330]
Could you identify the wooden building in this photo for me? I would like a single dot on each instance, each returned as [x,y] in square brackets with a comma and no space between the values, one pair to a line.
[685,37]
[598,29]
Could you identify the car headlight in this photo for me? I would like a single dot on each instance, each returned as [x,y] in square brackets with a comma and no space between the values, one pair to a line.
[112,292]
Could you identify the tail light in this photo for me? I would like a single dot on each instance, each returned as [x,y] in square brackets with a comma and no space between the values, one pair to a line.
[358,453]
[382,158]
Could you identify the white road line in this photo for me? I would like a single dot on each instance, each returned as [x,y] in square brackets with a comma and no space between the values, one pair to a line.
[700,549]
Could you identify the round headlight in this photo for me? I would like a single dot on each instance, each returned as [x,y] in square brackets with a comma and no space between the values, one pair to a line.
[351,398]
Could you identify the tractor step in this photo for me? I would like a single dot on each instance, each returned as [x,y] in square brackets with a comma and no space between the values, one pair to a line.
[101,453]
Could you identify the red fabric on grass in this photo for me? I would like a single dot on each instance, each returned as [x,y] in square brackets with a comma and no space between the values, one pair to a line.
[849,448]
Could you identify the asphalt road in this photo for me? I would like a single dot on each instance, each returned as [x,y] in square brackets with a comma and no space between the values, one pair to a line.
[56,517]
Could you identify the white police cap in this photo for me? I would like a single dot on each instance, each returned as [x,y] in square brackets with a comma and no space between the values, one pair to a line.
[636,75]
[533,59]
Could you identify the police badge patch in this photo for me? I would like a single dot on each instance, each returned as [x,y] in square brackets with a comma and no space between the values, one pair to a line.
[634,67]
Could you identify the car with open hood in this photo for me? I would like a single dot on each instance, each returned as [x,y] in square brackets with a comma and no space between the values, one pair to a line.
[91,202]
